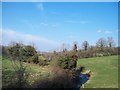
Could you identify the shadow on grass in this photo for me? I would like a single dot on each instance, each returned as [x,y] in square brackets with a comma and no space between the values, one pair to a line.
[63,78]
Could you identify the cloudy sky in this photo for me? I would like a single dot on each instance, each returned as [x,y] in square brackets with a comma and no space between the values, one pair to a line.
[48,25]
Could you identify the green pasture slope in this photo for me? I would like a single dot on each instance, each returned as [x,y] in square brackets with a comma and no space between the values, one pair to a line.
[104,71]
[35,72]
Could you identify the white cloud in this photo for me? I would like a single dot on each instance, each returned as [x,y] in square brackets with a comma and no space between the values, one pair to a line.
[40,7]
[41,42]
[44,24]
[99,31]
[70,21]
[108,32]
[83,22]
[71,36]
[55,25]
[105,32]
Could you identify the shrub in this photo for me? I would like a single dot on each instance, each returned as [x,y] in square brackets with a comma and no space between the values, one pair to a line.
[62,78]
[35,59]
[63,62]
[42,58]
[43,63]
[72,64]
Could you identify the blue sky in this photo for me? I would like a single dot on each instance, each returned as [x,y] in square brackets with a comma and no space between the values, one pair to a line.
[48,25]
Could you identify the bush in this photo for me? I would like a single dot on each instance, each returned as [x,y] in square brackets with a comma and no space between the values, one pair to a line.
[99,54]
[42,58]
[64,62]
[35,59]
[63,78]
[72,64]
[43,63]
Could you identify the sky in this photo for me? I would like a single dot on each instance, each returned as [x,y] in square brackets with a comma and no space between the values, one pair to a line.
[50,24]
[60,0]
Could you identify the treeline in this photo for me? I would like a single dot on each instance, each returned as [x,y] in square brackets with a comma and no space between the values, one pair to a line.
[102,47]
[65,58]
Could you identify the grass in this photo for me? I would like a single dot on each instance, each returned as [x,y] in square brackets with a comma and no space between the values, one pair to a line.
[104,71]
[34,71]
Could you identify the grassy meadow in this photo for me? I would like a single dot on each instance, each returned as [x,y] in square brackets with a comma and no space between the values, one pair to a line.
[34,72]
[104,71]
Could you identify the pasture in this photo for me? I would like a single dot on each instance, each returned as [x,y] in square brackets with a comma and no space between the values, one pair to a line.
[104,71]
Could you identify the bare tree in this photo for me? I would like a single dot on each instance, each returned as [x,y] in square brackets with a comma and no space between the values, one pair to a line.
[85,45]
[63,47]
[111,42]
[75,47]
[101,43]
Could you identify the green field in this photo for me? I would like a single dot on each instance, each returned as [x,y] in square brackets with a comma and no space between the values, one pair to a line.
[34,71]
[104,71]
